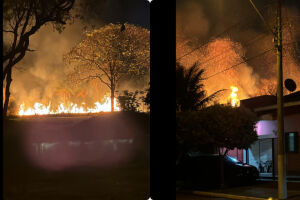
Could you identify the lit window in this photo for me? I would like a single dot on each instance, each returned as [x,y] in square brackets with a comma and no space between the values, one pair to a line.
[291,142]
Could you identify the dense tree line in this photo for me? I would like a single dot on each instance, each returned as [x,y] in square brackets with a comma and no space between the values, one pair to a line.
[204,126]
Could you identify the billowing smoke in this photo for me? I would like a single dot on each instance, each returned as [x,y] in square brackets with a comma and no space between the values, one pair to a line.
[42,75]
[231,43]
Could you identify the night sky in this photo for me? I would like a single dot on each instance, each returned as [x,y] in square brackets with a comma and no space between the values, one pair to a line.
[223,13]
[132,11]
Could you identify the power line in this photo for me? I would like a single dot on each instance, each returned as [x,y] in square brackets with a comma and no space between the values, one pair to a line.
[246,60]
[218,35]
[205,43]
[261,17]
[188,40]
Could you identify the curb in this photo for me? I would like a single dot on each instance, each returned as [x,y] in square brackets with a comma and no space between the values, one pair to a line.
[230,196]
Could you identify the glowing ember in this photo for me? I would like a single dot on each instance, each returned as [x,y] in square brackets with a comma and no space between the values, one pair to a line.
[233,96]
[40,109]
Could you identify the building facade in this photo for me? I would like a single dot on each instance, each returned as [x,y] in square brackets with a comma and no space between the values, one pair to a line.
[263,153]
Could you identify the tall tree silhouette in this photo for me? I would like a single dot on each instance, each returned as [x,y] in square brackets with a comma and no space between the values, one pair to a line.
[21,20]
[190,93]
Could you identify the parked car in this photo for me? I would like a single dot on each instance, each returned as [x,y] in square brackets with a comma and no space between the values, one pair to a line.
[206,171]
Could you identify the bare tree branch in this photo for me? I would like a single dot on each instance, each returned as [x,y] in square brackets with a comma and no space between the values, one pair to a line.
[7,31]
[96,77]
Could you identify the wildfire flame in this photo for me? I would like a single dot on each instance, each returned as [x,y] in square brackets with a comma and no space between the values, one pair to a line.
[233,96]
[40,109]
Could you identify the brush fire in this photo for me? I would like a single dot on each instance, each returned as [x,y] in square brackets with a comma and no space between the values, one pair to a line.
[40,109]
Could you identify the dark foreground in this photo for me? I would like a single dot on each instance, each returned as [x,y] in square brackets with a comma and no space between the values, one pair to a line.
[127,182]
[23,180]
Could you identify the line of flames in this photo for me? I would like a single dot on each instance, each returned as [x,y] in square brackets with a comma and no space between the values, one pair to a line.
[41,109]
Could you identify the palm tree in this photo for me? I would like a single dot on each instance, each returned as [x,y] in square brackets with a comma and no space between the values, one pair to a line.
[190,93]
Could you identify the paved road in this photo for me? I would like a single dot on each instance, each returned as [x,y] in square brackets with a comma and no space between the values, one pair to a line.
[260,190]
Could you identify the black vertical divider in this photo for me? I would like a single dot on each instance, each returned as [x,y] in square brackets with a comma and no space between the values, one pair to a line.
[162,90]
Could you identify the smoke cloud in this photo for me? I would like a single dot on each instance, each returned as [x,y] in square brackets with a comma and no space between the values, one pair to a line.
[221,35]
[42,73]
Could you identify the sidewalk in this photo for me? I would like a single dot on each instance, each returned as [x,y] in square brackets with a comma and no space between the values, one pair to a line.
[261,190]
[269,177]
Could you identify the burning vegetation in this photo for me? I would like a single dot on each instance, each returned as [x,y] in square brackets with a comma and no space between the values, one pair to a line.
[40,109]
[84,84]
[234,97]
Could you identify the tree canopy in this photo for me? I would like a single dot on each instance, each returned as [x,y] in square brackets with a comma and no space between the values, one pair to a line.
[129,101]
[111,53]
[147,99]
[221,126]
[21,19]
[190,92]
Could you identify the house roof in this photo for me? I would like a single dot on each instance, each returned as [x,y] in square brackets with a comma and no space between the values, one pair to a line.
[292,97]
[257,102]
[267,103]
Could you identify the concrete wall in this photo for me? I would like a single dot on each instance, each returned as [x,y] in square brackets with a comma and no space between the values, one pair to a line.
[236,153]
[292,124]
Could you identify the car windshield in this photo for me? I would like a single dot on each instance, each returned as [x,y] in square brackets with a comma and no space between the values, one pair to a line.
[232,159]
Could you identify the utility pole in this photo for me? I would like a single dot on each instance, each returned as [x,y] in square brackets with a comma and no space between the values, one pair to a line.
[282,188]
